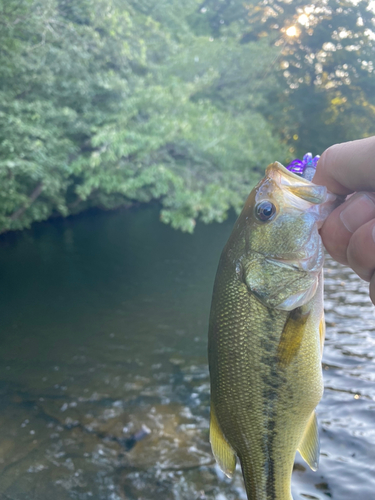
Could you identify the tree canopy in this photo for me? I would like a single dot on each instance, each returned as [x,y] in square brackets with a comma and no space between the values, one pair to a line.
[327,66]
[110,103]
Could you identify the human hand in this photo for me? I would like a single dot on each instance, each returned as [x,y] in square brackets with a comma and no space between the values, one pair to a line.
[349,231]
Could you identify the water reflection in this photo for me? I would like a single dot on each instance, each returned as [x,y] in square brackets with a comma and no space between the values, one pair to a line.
[104,324]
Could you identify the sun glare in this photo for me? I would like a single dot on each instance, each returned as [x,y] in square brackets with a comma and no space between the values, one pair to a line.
[291,31]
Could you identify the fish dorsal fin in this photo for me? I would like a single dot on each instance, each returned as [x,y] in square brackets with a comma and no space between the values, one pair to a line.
[322,333]
[223,452]
[309,445]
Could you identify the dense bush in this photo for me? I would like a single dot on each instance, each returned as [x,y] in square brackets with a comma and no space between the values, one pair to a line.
[110,102]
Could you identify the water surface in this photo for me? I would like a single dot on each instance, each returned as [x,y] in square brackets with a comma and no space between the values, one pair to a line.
[104,329]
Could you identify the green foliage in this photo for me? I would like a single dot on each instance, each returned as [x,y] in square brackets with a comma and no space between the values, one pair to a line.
[109,103]
[191,155]
[114,102]
[326,71]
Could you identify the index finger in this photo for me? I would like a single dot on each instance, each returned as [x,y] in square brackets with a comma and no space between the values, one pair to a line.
[348,167]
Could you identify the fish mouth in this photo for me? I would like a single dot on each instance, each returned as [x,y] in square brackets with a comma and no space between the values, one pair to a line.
[305,190]
[288,173]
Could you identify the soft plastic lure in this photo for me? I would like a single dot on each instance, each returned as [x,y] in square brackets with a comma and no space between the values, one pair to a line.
[305,167]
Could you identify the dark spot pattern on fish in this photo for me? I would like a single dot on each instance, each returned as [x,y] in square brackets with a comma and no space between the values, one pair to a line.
[270,488]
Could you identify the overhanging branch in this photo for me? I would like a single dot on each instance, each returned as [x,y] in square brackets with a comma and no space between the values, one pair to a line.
[34,195]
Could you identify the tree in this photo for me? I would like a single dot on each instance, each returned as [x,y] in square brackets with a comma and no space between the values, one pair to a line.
[56,87]
[326,69]
[113,102]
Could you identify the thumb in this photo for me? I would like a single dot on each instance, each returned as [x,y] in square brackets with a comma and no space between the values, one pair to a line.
[348,167]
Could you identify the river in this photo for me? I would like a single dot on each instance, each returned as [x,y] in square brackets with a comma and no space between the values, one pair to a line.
[104,330]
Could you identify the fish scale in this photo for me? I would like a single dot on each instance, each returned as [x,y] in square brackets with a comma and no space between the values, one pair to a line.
[265,362]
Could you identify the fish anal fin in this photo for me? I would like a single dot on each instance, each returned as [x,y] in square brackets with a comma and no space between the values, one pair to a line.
[309,445]
[221,449]
[291,338]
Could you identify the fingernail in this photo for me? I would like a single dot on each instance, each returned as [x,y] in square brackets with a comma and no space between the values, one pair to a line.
[359,210]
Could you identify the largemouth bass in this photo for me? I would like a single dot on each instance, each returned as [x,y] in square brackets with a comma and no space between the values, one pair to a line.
[266,334]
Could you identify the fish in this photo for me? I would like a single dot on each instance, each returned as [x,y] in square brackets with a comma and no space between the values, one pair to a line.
[266,334]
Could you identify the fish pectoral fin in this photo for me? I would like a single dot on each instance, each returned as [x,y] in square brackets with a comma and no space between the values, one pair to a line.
[292,336]
[309,445]
[223,452]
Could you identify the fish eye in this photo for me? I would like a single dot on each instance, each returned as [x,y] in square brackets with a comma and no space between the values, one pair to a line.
[265,210]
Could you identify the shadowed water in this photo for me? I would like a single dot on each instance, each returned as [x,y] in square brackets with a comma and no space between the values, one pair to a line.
[104,329]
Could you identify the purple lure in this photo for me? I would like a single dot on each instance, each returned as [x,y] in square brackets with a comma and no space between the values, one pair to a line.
[305,167]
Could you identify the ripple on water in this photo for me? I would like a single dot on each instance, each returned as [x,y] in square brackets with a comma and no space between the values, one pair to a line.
[125,346]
